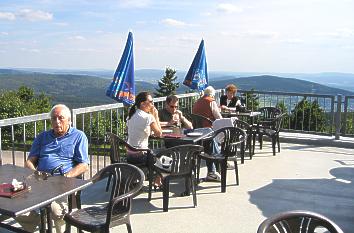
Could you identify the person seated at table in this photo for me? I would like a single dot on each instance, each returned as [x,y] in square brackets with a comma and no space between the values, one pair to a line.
[206,106]
[171,116]
[64,146]
[229,100]
[143,120]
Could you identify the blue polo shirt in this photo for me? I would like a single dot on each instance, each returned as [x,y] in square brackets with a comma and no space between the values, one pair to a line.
[68,150]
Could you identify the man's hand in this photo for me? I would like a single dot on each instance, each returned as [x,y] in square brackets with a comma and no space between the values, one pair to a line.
[77,170]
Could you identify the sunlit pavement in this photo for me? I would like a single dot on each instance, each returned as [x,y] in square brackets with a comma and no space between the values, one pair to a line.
[301,176]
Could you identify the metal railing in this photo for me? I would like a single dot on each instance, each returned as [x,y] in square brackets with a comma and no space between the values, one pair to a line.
[306,113]
[348,116]
[17,134]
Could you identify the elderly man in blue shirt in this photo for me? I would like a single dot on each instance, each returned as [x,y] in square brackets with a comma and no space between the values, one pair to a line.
[62,146]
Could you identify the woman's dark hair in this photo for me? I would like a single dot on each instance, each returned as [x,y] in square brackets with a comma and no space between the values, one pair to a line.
[141,97]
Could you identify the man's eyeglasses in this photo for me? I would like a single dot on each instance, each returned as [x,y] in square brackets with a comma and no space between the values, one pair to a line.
[172,106]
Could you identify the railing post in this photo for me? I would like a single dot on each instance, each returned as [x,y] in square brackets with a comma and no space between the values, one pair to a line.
[338,116]
[73,121]
[344,118]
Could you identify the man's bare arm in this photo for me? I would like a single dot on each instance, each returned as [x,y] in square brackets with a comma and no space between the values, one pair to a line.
[31,163]
[77,170]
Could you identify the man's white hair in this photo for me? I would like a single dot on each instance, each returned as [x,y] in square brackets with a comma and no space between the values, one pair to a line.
[210,91]
[65,110]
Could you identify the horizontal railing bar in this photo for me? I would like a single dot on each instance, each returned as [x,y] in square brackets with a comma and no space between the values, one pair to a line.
[97,108]
[24,119]
[286,93]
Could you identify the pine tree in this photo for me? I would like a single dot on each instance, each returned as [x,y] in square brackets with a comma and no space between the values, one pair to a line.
[167,85]
[308,116]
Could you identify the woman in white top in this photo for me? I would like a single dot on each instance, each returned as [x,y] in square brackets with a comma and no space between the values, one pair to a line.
[142,120]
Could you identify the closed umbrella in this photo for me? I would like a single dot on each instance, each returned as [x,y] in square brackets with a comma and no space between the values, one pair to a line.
[197,76]
[122,87]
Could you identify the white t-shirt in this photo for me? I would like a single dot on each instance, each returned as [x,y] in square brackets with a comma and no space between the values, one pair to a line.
[139,129]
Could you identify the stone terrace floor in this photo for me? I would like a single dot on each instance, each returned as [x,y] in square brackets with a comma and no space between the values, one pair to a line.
[300,177]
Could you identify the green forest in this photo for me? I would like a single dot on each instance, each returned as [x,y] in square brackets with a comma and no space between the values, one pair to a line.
[84,90]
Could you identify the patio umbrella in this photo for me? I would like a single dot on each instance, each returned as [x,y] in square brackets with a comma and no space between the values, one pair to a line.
[122,87]
[197,76]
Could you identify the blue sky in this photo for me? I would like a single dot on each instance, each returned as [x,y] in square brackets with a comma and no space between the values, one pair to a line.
[240,36]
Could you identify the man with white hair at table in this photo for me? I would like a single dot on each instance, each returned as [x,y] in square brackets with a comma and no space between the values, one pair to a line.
[62,146]
[206,106]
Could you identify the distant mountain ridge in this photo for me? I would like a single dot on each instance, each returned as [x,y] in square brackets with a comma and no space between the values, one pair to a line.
[332,79]
[274,83]
[73,90]
[88,90]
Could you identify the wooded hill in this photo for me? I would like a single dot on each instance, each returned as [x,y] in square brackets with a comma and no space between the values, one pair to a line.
[84,90]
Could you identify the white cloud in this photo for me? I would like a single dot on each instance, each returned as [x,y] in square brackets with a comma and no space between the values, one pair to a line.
[349,47]
[4,33]
[229,8]
[230,34]
[261,34]
[35,15]
[338,34]
[294,41]
[135,3]
[7,16]
[188,39]
[90,50]
[173,22]
[77,38]
[30,50]
[207,14]
[252,34]
[149,49]
[62,24]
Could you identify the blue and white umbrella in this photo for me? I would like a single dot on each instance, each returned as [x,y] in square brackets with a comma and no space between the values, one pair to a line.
[197,76]
[122,87]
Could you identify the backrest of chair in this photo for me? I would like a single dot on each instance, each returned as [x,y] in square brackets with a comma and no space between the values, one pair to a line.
[269,112]
[242,124]
[126,180]
[117,148]
[183,157]
[230,138]
[278,122]
[298,221]
[199,121]
[267,116]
